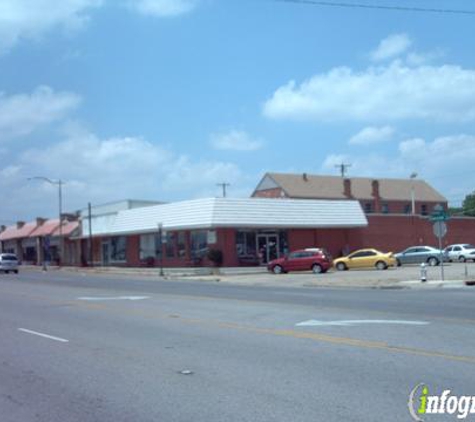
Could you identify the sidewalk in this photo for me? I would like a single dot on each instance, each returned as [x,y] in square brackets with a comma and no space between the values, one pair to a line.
[456,276]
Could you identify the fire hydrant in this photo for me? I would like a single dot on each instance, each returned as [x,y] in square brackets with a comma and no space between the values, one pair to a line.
[423,273]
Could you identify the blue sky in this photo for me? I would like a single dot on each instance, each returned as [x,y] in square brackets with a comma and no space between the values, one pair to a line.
[162,99]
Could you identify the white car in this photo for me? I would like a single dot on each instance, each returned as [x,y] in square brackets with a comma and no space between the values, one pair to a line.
[8,262]
[461,252]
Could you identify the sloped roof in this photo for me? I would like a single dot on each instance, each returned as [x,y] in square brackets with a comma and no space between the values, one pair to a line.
[239,212]
[12,232]
[67,228]
[332,187]
[45,229]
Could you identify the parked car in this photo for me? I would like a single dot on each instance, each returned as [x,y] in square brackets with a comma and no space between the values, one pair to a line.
[8,262]
[421,254]
[317,260]
[365,258]
[460,252]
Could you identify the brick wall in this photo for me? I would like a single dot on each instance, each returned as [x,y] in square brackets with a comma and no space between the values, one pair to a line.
[270,193]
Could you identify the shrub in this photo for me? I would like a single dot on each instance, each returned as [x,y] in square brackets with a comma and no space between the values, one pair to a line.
[216,257]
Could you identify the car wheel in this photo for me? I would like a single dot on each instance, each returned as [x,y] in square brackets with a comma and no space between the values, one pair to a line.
[380,265]
[277,269]
[15,271]
[398,263]
[341,266]
[433,261]
[462,258]
[317,269]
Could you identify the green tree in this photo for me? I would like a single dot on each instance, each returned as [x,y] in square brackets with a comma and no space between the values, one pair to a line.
[468,204]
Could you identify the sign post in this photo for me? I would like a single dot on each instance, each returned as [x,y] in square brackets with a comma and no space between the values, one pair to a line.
[161,237]
[438,218]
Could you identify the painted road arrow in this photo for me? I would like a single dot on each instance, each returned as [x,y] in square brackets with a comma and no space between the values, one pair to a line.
[353,322]
[114,298]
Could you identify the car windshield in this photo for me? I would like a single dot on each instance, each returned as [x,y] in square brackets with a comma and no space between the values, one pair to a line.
[468,246]
[9,258]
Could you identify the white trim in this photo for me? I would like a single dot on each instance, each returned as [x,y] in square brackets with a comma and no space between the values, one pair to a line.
[251,213]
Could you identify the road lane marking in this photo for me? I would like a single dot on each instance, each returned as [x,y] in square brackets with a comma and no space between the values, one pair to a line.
[98,298]
[36,333]
[175,296]
[318,337]
[353,322]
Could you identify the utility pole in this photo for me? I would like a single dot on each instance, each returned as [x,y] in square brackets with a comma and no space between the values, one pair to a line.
[343,168]
[223,185]
[90,249]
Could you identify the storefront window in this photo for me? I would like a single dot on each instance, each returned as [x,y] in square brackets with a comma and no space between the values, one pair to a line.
[170,246]
[150,246]
[283,243]
[117,249]
[199,243]
[181,245]
[30,254]
[246,243]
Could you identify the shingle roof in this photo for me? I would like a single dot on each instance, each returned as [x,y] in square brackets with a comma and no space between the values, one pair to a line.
[67,228]
[332,187]
[45,229]
[12,232]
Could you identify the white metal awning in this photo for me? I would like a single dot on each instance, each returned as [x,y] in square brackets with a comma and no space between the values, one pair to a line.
[237,213]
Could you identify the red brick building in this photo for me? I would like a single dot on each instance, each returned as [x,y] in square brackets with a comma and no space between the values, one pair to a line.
[248,231]
[397,210]
[378,196]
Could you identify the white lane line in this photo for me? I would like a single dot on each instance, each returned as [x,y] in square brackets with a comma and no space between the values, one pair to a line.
[92,299]
[62,340]
[353,322]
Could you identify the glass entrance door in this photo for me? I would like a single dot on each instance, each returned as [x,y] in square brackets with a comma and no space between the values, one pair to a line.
[267,247]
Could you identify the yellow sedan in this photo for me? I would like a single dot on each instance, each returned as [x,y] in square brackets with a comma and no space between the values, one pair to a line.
[365,258]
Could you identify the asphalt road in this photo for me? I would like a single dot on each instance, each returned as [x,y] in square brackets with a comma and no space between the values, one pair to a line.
[101,348]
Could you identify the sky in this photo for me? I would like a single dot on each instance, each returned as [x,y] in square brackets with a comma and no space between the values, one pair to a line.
[164,99]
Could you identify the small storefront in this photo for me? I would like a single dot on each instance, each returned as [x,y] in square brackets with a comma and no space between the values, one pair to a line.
[260,246]
[250,231]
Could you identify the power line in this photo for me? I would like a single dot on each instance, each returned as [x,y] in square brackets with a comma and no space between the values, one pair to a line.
[380,7]
[343,167]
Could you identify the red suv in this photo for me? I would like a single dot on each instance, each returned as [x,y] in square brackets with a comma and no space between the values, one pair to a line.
[311,259]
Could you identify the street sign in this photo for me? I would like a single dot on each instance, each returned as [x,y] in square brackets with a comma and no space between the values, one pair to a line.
[440,228]
[438,214]
[439,217]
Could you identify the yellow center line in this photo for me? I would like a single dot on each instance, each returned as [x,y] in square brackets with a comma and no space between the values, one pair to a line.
[305,335]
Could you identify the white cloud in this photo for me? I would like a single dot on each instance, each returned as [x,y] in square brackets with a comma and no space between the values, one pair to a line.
[445,162]
[162,8]
[372,135]
[30,19]
[235,141]
[390,47]
[390,93]
[100,170]
[21,114]
[22,20]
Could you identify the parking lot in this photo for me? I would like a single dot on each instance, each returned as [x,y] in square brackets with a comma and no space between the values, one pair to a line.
[404,276]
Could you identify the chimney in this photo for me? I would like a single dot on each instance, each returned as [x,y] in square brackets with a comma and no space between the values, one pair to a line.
[376,196]
[20,224]
[375,186]
[305,177]
[2,228]
[347,188]
[40,221]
